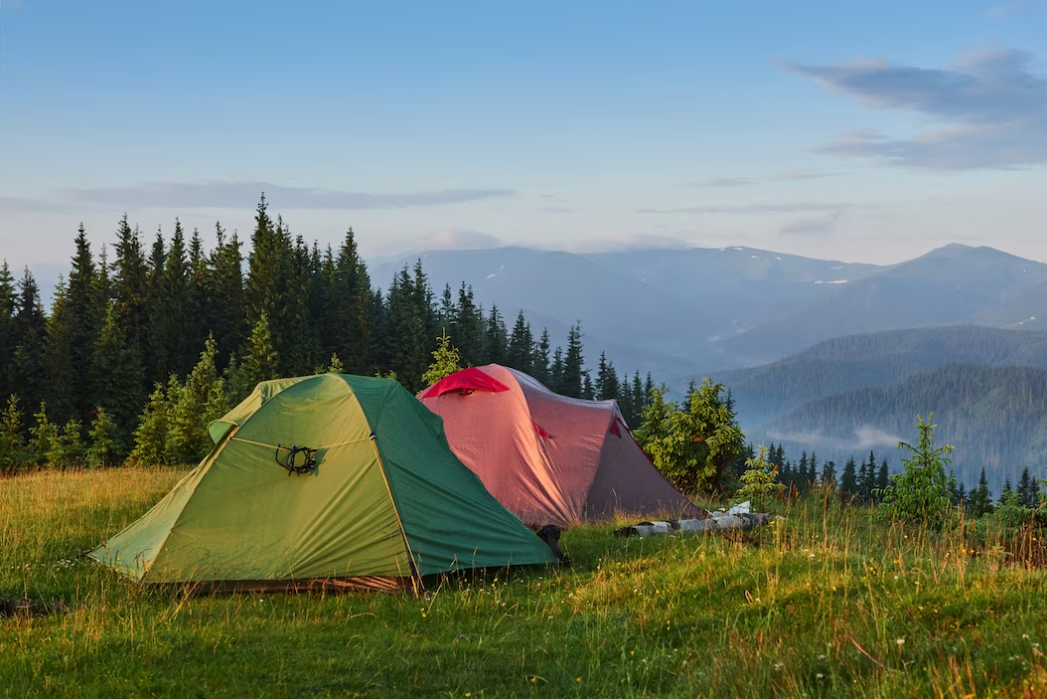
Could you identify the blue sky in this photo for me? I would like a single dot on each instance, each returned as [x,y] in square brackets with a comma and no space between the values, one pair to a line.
[864,132]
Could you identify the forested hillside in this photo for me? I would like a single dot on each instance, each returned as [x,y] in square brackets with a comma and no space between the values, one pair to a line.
[873,360]
[953,285]
[995,416]
[192,331]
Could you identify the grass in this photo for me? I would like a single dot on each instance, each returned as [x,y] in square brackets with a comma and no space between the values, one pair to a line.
[821,604]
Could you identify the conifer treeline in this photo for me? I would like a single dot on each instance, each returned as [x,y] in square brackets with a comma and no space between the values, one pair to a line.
[156,329]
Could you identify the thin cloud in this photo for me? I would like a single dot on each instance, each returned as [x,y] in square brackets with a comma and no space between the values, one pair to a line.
[726,182]
[1009,10]
[729,182]
[235,195]
[456,239]
[752,209]
[815,226]
[991,106]
[635,241]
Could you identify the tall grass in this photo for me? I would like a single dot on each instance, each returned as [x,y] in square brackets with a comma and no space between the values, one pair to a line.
[823,603]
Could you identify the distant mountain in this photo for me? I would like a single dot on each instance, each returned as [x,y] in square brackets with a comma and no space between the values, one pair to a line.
[996,417]
[685,313]
[949,286]
[874,360]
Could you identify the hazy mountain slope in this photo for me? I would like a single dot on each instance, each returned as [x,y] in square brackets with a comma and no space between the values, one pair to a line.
[948,286]
[640,327]
[873,360]
[684,313]
[661,310]
[996,417]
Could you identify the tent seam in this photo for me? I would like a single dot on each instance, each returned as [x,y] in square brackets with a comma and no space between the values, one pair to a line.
[415,573]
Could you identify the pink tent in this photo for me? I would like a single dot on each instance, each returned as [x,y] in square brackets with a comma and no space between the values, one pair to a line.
[548,458]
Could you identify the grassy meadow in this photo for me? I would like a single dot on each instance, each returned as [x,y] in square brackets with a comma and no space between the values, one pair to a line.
[823,603]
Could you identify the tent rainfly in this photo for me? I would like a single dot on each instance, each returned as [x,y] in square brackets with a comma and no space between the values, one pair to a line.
[548,458]
[376,499]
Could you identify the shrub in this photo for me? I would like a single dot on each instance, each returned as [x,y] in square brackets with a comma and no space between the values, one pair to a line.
[921,494]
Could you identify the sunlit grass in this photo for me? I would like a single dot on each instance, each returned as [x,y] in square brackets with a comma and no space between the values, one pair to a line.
[822,603]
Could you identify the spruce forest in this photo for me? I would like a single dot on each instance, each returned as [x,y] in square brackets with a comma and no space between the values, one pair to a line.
[141,349]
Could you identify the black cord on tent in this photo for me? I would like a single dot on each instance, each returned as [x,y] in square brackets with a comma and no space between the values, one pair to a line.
[290,462]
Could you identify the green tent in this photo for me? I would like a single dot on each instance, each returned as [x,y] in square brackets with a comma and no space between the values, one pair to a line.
[386,503]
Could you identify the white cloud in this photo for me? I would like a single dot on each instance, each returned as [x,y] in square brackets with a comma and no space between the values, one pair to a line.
[814,226]
[991,108]
[239,195]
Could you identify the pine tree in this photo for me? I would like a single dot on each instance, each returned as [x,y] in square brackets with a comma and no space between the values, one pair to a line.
[496,343]
[540,367]
[176,304]
[961,496]
[812,465]
[802,472]
[43,437]
[849,480]
[261,361]
[570,383]
[27,373]
[829,474]
[980,499]
[786,476]
[198,293]
[407,328]
[225,304]
[59,370]
[445,361]
[103,450]
[447,315]
[607,384]
[1007,491]
[12,447]
[150,446]
[588,392]
[8,302]
[639,400]
[469,328]
[352,319]
[192,407]
[118,379]
[625,400]
[335,367]
[157,357]
[131,285]
[520,354]
[556,369]
[68,450]
[884,477]
[1028,490]
[85,310]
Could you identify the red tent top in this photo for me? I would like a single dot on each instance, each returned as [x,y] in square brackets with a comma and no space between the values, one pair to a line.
[465,381]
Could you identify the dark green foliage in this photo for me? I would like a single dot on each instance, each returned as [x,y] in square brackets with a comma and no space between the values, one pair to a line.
[979,501]
[920,494]
[540,367]
[115,330]
[829,474]
[571,378]
[102,435]
[607,386]
[521,350]
[1007,492]
[1028,490]
[13,455]
[468,328]
[496,342]
[849,480]
[28,373]
[694,443]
